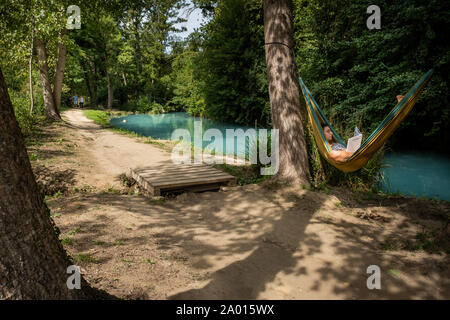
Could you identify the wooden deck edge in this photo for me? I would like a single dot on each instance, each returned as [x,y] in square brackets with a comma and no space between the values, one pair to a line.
[188,185]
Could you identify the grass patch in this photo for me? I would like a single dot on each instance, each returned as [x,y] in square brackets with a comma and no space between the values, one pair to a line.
[99,243]
[98,116]
[55,215]
[112,190]
[74,231]
[119,243]
[245,174]
[57,194]
[66,241]
[83,189]
[126,261]
[82,257]
[394,272]
[150,261]
[155,142]
[429,240]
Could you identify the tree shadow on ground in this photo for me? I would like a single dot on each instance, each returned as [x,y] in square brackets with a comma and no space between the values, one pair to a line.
[51,181]
[253,243]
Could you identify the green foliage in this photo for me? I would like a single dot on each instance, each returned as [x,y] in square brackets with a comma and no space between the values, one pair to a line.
[98,116]
[21,105]
[234,74]
[67,241]
[226,78]
[144,105]
[74,231]
[85,257]
[186,89]
[355,73]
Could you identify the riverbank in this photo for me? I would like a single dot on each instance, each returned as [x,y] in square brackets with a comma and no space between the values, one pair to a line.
[258,241]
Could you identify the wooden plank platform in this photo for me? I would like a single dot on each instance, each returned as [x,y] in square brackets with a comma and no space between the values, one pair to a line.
[170,177]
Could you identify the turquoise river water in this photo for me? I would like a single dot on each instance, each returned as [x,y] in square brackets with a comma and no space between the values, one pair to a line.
[421,174]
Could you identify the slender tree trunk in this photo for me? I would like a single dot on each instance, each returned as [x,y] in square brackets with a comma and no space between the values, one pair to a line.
[137,51]
[30,68]
[150,92]
[284,90]
[110,89]
[59,73]
[86,74]
[95,84]
[124,77]
[49,101]
[33,263]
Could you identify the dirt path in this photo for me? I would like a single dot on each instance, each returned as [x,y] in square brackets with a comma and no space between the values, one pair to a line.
[112,153]
[250,242]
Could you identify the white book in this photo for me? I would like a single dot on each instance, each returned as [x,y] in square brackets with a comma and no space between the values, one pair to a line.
[354,142]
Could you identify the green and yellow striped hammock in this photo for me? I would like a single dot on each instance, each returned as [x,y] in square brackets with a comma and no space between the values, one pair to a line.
[375,141]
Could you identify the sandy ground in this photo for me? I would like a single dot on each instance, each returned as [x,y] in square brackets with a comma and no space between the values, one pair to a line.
[249,242]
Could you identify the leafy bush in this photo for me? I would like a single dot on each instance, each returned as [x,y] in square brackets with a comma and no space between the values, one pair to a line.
[157,108]
[143,104]
[21,105]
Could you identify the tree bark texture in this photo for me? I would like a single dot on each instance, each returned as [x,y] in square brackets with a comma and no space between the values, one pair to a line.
[59,73]
[284,90]
[47,91]
[30,69]
[32,260]
[110,89]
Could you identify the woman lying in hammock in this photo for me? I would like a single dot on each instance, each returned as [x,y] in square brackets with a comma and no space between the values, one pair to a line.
[338,151]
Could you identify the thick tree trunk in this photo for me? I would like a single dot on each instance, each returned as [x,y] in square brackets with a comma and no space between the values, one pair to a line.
[59,73]
[49,100]
[284,90]
[32,260]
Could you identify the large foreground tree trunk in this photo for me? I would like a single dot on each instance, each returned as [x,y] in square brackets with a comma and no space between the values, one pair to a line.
[32,261]
[47,91]
[59,73]
[284,90]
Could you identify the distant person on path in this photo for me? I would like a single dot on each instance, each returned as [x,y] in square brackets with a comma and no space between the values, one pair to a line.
[75,100]
[81,101]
